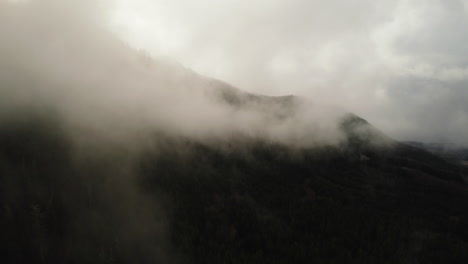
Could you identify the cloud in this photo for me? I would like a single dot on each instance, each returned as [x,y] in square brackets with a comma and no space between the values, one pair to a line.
[349,53]
[60,55]
[400,64]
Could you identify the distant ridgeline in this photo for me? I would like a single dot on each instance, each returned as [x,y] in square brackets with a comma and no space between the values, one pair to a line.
[449,152]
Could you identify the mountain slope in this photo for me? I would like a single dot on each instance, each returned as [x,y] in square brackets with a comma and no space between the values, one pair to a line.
[243,200]
[449,152]
[109,156]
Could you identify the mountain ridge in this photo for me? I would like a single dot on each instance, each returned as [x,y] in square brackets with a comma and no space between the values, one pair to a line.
[110,156]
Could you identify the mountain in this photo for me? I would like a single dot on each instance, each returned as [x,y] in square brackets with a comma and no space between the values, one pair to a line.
[449,152]
[110,156]
[369,199]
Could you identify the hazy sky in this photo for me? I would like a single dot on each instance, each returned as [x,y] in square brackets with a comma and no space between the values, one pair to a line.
[402,64]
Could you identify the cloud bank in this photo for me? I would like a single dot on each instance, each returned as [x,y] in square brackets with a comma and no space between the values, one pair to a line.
[401,64]
[59,55]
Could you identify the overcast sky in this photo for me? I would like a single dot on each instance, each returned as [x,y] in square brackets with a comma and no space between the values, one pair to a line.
[402,64]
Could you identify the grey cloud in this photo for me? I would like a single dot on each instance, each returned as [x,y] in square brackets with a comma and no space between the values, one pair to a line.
[385,60]
[70,62]
[400,64]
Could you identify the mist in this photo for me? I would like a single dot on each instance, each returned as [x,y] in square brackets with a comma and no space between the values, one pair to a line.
[388,62]
[62,56]
[83,110]
[400,64]
[211,132]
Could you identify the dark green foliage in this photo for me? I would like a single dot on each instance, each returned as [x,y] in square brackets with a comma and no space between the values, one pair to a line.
[56,208]
[275,205]
[248,201]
